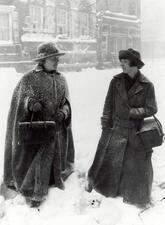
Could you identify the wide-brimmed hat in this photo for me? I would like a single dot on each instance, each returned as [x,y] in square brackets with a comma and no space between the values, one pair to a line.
[46,50]
[132,55]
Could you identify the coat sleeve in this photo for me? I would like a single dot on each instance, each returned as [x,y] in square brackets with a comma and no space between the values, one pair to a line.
[65,105]
[150,107]
[107,118]
[27,94]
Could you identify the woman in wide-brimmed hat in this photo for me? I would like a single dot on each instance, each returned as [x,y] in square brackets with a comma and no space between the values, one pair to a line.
[122,166]
[43,92]
[47,50]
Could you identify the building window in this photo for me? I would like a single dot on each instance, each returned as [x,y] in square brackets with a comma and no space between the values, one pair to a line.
[4,27]
[115,6]
[132,10]
[85,19]
[84,24]
[36,14]
[62,17]
[92,25]
[49,19]
[15,28]
[105,28]
[62,21]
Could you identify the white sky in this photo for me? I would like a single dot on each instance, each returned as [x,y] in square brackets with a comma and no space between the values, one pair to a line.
[152,18]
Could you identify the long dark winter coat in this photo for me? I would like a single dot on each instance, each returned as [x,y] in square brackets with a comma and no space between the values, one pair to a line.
[32,168]
[122,167]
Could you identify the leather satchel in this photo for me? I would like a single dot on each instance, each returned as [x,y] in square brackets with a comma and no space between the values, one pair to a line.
[151,132]
[36,132]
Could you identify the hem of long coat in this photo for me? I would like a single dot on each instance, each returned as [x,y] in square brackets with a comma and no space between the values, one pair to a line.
[139,204]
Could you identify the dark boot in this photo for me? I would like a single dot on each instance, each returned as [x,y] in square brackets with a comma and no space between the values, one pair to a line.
[67,172]
[60,184]
[34,204]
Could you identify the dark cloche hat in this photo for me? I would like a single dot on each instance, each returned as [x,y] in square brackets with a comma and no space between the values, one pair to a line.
[133,55]
[46,50]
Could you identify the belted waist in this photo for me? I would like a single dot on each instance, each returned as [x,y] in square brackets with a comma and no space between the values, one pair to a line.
[124,123]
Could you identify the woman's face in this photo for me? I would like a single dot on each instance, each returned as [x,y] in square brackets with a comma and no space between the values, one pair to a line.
[125,65]
[51,63]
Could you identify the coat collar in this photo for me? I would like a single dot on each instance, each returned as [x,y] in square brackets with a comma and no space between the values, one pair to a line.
[141,77]
[137,86]
[39,68]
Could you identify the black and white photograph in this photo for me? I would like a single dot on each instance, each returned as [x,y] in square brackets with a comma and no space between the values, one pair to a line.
[82,116]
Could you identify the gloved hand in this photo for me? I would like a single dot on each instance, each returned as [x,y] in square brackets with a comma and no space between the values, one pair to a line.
[37,107]
[60,116]
[34,105]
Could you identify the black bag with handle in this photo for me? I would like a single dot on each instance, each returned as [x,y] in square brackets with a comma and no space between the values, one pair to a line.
[36,132]
[151,132]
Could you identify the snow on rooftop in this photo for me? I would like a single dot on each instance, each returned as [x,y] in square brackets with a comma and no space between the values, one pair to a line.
[36,37]
[120,14]
[4,43]
[122,19]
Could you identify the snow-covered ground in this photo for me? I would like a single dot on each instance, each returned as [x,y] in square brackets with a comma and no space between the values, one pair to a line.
[74,206]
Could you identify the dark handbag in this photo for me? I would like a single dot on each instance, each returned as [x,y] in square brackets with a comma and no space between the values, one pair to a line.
[36,132]
[151,132]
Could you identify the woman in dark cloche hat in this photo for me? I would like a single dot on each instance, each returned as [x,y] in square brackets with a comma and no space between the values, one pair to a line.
[122,165]
[41,94]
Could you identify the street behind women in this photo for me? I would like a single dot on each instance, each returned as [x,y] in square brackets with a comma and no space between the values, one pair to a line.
[122,166]
[41,94]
